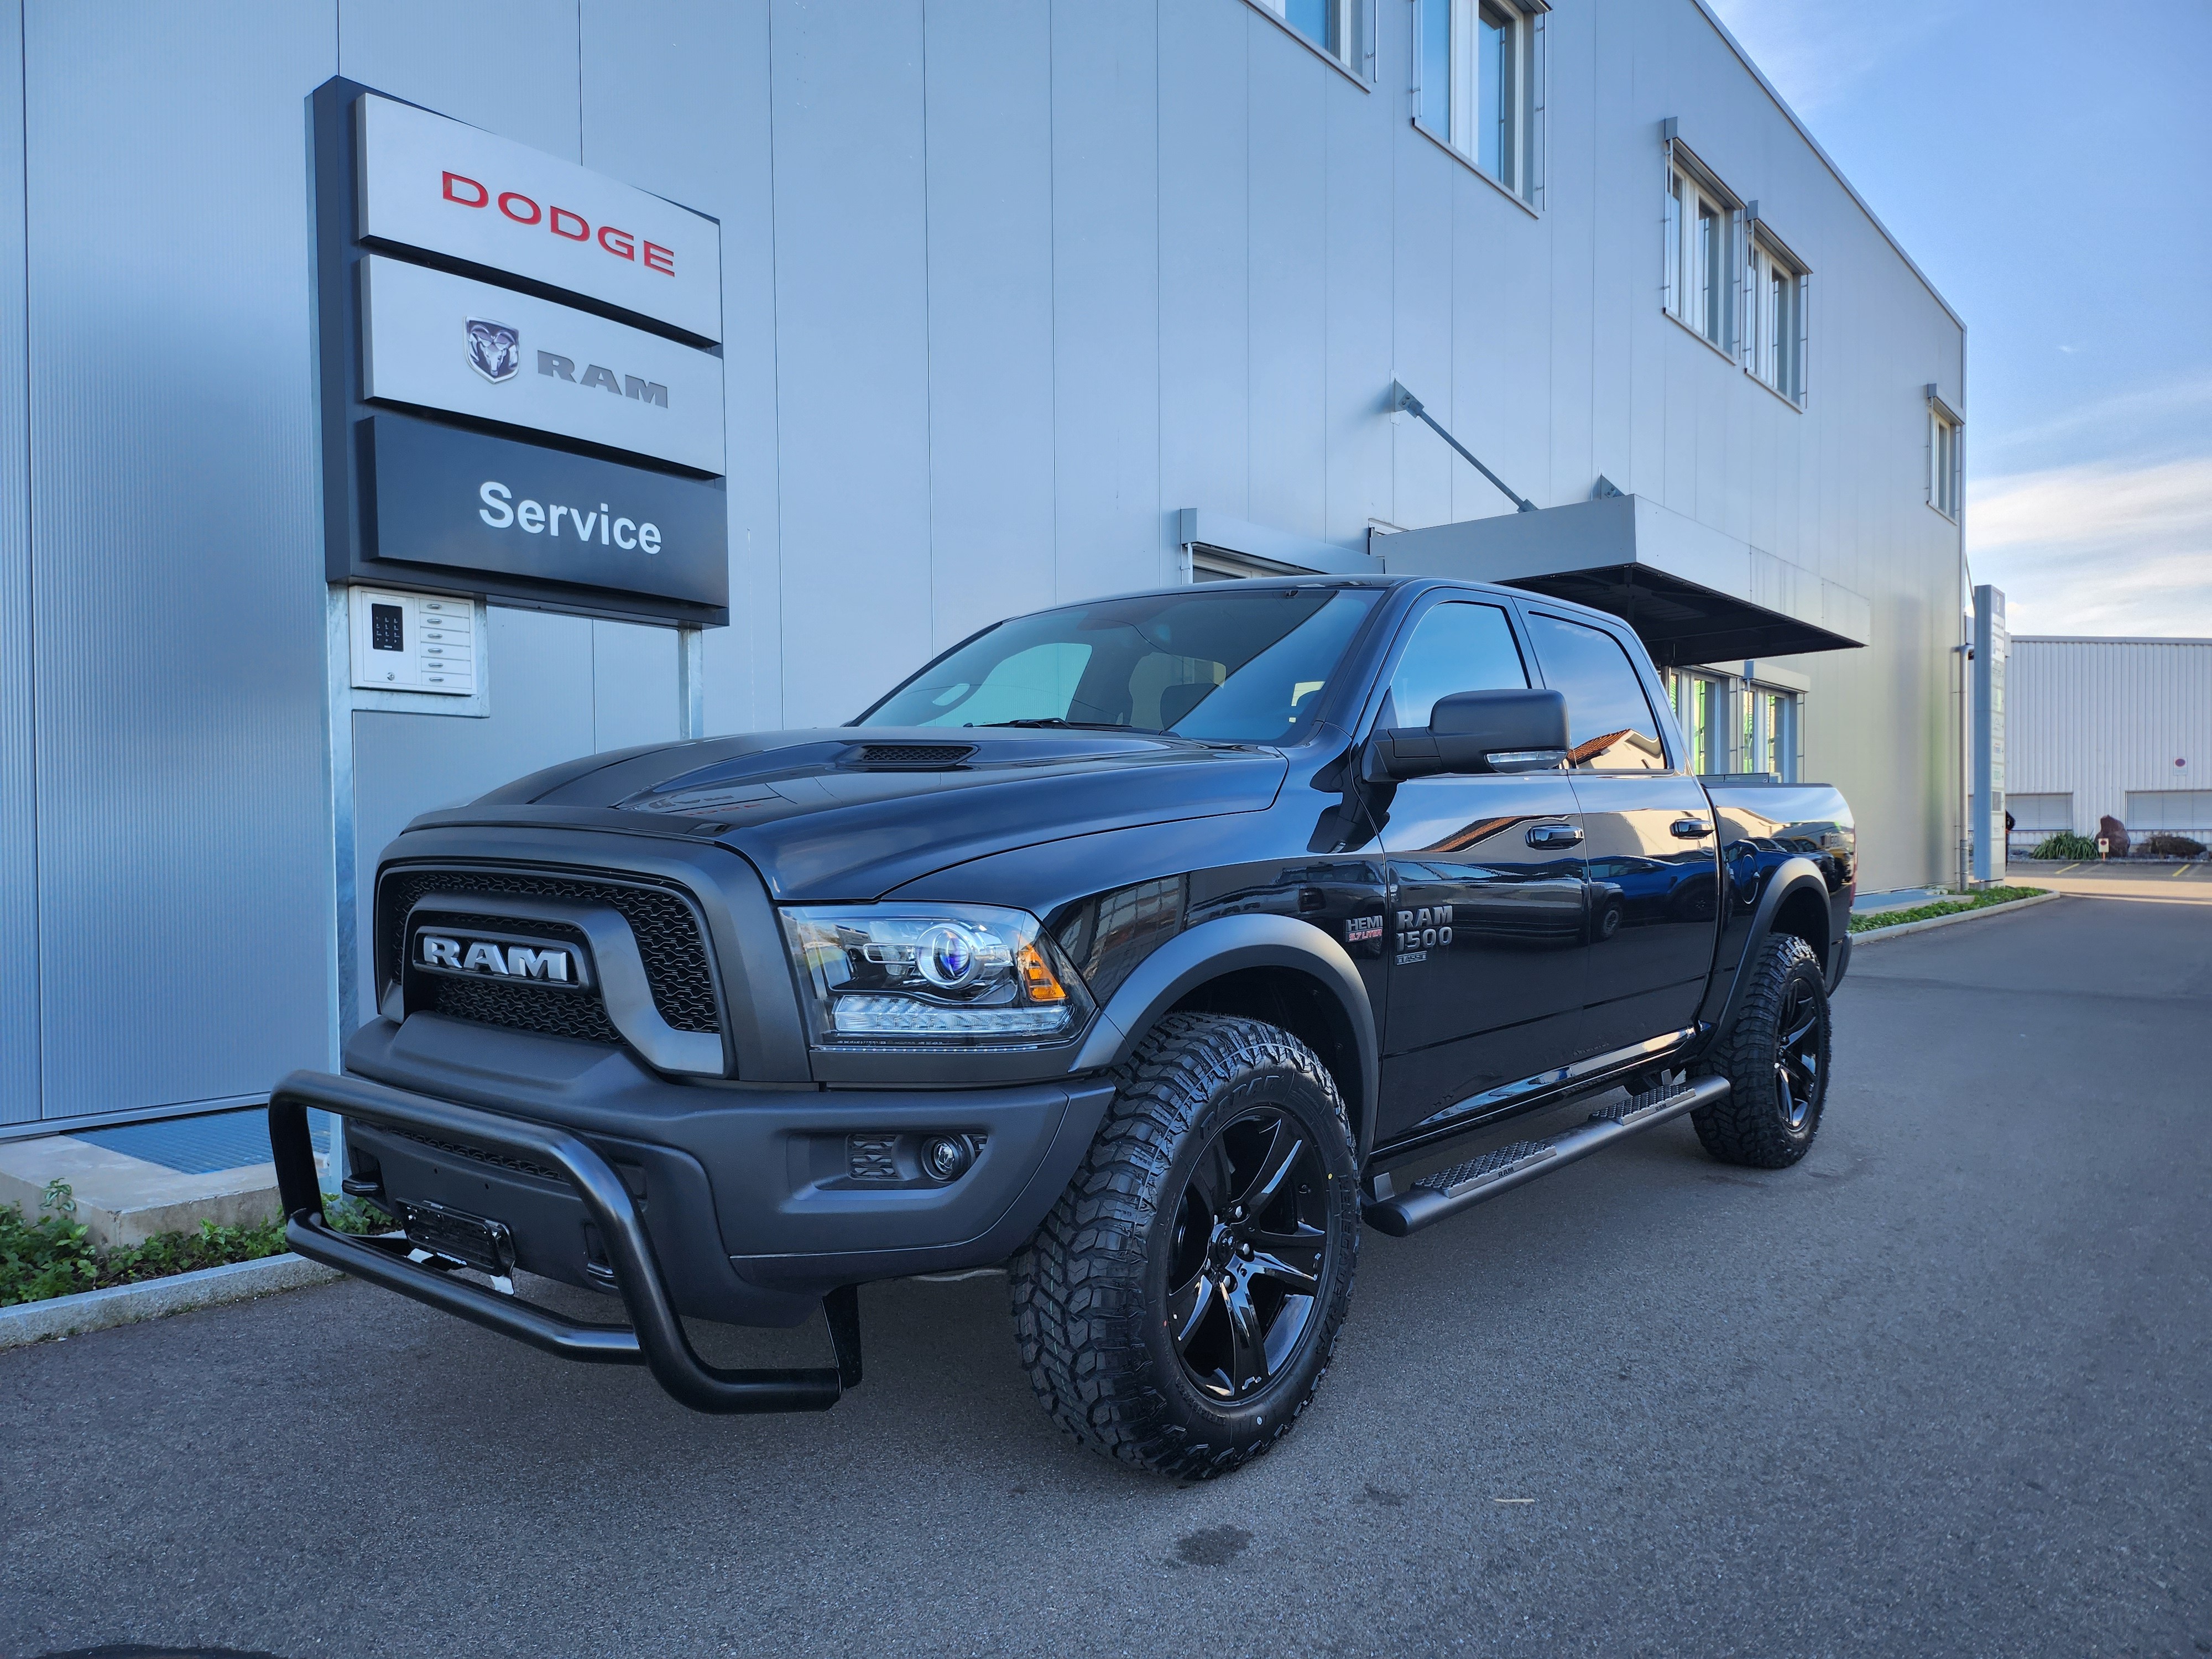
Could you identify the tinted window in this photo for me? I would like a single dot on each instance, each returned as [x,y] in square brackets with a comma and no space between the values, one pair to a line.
[1231,663]
[1456,647]
[1610,724]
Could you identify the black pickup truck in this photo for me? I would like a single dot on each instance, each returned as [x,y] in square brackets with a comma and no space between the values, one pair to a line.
[1146,946]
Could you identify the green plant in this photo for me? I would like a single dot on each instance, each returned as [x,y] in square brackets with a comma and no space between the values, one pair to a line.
[54,1256]
[2164,846]
[356,1215]
[2064,845]
[1950,906]
[47,1257]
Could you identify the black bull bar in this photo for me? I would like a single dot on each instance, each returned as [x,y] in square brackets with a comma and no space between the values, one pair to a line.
[654,1337]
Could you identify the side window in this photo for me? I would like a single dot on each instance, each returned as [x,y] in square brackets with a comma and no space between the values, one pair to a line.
[1456,647]
[1610,725]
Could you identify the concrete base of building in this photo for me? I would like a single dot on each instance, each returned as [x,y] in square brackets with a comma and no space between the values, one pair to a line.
[126,1305]
[122,1199]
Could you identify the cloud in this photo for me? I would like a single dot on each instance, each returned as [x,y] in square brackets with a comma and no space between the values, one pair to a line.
[2099,548]
[1814,52]
[2157,421]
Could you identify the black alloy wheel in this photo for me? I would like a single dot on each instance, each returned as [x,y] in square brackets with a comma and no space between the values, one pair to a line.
[1775,1056]
[1250,1252]
[1177,1308]
[1798,1048]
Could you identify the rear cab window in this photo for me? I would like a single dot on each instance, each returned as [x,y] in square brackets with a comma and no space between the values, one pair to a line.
[1611,726]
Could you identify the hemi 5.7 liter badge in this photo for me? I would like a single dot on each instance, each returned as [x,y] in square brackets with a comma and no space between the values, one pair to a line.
[500,956]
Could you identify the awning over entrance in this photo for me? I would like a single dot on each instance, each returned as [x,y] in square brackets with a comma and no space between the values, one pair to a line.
[1694,594]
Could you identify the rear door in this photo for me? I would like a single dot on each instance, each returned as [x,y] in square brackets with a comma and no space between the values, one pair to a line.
[1649,842]
[1484,934]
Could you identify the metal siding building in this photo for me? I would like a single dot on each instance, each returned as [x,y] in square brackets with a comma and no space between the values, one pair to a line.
[1008,287]
[2115,727]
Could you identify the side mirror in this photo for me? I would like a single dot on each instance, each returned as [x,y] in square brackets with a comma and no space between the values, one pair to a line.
[1514,731]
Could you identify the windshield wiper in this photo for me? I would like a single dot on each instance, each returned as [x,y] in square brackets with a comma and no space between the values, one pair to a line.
[1054,722]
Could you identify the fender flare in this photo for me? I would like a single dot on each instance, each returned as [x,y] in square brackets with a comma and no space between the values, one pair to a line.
[1224,945]
[1791,877]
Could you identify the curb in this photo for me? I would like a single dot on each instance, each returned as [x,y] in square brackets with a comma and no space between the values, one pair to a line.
[152,1298]
[1899,929]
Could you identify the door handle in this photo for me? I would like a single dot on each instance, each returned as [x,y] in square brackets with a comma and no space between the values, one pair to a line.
[1691,828]
[1555,835]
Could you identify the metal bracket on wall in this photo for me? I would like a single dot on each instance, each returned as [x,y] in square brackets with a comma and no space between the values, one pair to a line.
[1402,399]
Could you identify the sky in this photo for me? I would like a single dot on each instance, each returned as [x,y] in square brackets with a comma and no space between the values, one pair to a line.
[2049,167]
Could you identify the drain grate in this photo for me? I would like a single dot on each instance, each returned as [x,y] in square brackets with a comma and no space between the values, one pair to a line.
[202,1144]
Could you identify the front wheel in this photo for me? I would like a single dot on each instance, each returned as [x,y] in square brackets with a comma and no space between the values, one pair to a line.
[1775,1056]
[1178,1307]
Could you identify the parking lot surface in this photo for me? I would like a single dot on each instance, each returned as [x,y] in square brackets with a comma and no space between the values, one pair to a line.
[1946,1387]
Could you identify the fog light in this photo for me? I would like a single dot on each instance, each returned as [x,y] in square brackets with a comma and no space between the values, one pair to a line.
[946,1157]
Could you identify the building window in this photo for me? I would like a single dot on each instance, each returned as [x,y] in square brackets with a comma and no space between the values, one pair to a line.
[1734,725]
[1775,285]
[1479,85]
[1332,25]
[1770,733]
[1700,705]
[1700,231]
[1945,472]
[1217,564]
[2035,816]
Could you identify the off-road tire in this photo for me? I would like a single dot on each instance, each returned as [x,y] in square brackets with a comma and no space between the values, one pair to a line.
[1090,1289]
[1754,1124]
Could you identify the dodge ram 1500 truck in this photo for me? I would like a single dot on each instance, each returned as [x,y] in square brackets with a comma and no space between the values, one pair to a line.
[1147,946]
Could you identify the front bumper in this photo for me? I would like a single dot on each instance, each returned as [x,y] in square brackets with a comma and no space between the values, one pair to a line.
[654,1337]
[744,1205]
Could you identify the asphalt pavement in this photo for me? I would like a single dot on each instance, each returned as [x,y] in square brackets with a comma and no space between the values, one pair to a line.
[1945,1388]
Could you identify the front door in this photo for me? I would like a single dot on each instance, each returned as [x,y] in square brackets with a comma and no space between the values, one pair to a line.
[1653,867]
[1484,932]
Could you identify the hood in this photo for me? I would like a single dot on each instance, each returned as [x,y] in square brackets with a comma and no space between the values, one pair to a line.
[850,813]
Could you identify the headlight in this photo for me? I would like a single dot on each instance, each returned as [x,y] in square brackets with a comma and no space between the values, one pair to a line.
[956,975]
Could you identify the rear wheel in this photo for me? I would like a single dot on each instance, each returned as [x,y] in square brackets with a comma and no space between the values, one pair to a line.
[1775,1056]
[1178,1307]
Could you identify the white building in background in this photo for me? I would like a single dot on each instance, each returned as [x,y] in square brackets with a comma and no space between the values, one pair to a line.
[2118,727]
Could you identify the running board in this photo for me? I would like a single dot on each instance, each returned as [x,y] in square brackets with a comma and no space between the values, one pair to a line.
[1448,1192]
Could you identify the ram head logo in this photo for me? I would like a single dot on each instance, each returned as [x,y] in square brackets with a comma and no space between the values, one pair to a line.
[495,350]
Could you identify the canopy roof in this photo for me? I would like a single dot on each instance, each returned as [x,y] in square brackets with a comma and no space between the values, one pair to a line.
[1691,594]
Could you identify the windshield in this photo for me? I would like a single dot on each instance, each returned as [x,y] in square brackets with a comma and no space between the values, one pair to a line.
[1243,666]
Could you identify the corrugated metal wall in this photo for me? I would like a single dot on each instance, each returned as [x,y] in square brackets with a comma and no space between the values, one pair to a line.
[1006,284]
[19,825]
[183,925]
[2104,720]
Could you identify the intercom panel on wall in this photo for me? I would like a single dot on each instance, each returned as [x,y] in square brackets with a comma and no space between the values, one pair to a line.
[420,642]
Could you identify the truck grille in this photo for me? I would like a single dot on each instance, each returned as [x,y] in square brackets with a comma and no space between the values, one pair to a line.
[668,939]
[579,1014]
[453,1148]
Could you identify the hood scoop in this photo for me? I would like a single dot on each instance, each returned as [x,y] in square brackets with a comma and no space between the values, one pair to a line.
[908,756]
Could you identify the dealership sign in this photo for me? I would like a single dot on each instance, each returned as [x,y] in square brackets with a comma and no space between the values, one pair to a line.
[474,502]
[438,340]
[521,386]
[447,188]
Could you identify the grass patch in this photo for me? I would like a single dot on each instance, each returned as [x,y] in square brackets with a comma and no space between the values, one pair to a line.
[54,1255]
[1951,907]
